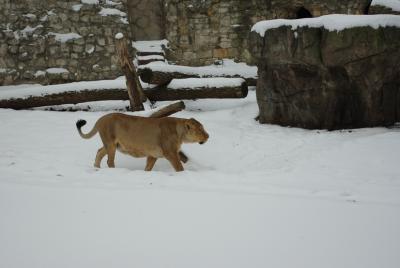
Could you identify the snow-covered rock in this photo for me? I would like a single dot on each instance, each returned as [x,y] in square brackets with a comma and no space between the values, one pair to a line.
[336,71]
[335,22]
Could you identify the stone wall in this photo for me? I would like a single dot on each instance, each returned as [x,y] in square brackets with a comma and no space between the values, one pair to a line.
[52,41]
[147,19]
[201,32]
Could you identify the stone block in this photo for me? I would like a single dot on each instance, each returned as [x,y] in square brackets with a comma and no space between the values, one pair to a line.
[54,50]
[61,62]
[220,53]
[3,50]
[77,48]
[206,53]
[101,41]
[13,49]
[84,31]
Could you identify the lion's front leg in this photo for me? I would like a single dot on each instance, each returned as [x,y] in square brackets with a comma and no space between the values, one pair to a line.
[174,159]
[183,157]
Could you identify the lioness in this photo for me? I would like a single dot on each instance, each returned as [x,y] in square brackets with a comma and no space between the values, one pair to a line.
[144,137]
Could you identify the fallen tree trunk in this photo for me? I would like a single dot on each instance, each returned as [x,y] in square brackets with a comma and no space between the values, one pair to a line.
[163,78]
[168,110]
[68,97]
[155,94]
[163,93]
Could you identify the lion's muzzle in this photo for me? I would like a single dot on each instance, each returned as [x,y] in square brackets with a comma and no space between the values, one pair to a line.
[205,138]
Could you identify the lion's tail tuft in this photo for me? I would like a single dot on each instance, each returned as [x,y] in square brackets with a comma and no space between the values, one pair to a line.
[79,124]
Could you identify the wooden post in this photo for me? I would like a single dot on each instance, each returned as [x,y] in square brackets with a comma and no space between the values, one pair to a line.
[135,91]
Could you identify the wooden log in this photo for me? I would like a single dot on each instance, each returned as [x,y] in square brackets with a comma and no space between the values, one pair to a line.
[68,97]
[156,94]
[163,93]
[169,109]
[144,61]
[162,78]
[135,90]
[149,53]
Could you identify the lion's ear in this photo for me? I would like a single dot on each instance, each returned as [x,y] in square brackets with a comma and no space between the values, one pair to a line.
[187,125]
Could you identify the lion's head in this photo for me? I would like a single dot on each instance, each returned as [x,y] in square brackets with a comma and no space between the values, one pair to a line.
[195,132]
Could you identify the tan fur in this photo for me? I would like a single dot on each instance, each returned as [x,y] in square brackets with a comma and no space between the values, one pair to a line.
[145,137]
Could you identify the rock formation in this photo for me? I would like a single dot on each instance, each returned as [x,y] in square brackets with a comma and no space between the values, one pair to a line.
[318,78]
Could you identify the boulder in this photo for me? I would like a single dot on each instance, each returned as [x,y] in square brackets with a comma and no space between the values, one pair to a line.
[316,77]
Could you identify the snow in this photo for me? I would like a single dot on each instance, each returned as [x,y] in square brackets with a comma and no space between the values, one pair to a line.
[29,15]
[29,29]
[392,4]
[228,68]
[44,18]
[150,46]
[124,20]
[252,196]
[64,37]
[151,57]
[4,70]
[38,74]
[111,11]
[56,70]
[335,22]
[119,36]
[95,106]
[111,3]
[90,2]
[90,49]
[77,7]
[27,90]
[194,83]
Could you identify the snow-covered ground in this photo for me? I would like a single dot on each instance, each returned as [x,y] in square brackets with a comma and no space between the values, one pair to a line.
[253,196]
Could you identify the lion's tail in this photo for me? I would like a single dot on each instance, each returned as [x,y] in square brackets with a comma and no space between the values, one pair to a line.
[79,124]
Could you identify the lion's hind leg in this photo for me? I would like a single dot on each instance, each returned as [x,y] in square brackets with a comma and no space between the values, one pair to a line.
[99,156]
[150,163]
[111,149]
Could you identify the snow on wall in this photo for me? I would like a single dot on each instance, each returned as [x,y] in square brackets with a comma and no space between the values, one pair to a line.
[333,22]
[392,4]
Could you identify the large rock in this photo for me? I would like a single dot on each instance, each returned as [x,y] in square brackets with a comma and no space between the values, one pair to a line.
[320,79]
